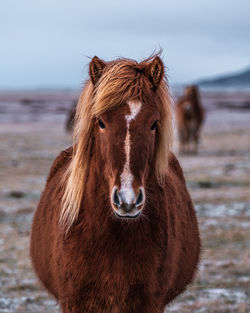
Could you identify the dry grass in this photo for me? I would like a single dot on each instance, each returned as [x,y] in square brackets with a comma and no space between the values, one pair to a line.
[219,176]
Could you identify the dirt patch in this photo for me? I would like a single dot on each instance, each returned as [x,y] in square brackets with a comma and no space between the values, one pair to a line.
[32,134]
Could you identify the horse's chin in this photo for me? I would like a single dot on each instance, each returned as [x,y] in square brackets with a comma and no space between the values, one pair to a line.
[127,216]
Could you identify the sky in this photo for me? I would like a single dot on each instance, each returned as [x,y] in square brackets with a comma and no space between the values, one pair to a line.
[49,43]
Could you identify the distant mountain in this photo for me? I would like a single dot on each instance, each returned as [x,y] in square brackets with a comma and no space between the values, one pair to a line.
[241,79]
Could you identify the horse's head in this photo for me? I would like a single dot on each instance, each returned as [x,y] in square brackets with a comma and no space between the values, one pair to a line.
[127,137]
[188,108]
[125,112]
[127,133]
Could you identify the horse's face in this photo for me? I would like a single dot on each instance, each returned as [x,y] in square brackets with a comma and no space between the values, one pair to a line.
[188,108]
[127,141]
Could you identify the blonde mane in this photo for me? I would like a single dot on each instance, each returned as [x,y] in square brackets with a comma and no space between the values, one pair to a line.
[121,80]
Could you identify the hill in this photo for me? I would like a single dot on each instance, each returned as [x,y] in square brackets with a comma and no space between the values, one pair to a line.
[240,79]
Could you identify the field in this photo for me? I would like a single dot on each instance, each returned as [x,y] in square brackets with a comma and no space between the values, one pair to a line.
[31,135]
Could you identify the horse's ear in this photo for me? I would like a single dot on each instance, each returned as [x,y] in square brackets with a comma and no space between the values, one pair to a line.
[155,71]
[96,68]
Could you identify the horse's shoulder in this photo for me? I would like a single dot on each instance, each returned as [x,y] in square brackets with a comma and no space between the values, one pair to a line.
[63,158]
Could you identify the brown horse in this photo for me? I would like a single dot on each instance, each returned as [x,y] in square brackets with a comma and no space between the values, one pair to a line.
[70,121]
[115,229]
[189,119]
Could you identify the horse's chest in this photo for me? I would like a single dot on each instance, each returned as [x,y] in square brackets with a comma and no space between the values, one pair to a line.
[117,293]
[107,280]
[192,124]
[116,272]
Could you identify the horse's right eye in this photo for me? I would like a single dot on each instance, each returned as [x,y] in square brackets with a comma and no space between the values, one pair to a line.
[101,124]
[153,127]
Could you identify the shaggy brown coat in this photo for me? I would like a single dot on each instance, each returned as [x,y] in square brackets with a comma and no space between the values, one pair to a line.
[189,119]
[92,261]
[69,125]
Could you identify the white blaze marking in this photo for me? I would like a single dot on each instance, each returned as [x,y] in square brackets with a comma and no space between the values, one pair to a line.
[126,190]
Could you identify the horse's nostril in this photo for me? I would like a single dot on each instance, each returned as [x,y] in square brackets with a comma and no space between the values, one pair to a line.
[140,198]
[116,199]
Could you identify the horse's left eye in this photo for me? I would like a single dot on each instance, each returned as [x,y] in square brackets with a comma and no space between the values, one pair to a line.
[153,127]
[101,124]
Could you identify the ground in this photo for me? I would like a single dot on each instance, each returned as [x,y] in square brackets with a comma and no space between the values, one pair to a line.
[31,135]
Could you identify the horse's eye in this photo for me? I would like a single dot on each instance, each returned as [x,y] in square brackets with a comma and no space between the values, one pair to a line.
[101,124]
[153,127]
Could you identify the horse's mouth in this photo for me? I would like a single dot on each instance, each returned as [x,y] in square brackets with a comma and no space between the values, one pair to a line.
[126,216]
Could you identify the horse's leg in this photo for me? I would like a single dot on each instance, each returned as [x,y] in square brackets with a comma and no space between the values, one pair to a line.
[193,142]
[181,148]
[195,146]
[196,141]
[188,143]
[184,148]
[189,147]
[183,137]
[181,145]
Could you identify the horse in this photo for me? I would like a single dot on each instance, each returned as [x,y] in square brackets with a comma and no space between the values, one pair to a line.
[115,229]
[69,125]
[189,119]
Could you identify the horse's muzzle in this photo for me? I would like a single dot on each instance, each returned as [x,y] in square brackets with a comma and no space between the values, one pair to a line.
[122,208]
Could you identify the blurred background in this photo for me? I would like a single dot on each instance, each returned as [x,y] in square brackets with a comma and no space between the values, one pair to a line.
[44,54]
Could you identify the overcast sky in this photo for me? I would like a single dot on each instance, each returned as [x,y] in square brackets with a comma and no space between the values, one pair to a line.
[46,43]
